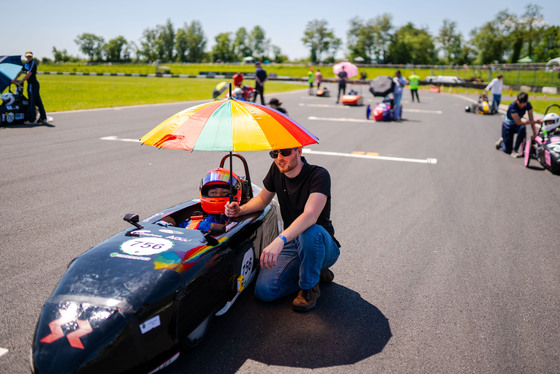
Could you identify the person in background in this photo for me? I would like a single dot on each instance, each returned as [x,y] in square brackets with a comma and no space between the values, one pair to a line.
[342,78]
[400,82]
[310,79]
[496,86]
[514,124]
[318,78]
[238,80]
[300,257]
[274,103]
[414,84]
[260,78]
[33,94]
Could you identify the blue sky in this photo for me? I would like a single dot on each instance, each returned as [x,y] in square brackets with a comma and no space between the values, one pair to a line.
[40,25]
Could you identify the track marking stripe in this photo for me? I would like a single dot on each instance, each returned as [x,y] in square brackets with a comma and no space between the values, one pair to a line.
[373,156]
[3,351]
[120,139]
[313,118]
[368,155]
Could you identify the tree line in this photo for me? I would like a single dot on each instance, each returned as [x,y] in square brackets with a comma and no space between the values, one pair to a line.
[506,38]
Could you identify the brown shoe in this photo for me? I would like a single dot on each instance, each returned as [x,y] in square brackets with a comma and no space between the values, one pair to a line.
[306,300]
[326,276]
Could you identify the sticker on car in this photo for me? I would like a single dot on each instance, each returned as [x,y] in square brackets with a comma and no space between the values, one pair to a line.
[146,246]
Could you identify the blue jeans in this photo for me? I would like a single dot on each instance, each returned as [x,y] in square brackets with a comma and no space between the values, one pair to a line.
[397,103]
[509,129]
[299,264]
[496,101]
[35,101]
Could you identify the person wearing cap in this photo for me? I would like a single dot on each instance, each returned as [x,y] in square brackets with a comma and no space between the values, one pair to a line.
[299,258]
[260,78]
[274,103]
[33,94]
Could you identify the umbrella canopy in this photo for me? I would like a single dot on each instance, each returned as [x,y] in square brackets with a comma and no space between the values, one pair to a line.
[229,125]
[381,86]
[10,66]
[349,68]
[220,87]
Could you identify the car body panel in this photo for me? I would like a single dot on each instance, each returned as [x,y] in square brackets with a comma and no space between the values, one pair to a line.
[126,304]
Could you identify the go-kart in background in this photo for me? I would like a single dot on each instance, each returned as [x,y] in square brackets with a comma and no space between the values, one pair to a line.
[447,265]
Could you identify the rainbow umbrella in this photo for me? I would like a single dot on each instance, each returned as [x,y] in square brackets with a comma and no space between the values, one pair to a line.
[229,125]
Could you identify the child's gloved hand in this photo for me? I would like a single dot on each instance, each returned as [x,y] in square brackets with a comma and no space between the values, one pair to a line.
[164,223]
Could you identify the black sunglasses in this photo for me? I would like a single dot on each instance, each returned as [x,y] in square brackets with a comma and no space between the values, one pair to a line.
[284,152]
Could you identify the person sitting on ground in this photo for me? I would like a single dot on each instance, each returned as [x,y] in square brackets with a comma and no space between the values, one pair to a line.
[274,103]
[214,195]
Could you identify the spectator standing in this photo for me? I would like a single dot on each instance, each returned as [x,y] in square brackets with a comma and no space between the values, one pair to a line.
[310,79]
[400,82]
[414,84]
[342,79]
[260,79]
[496,86]
[33,94]
[318,78]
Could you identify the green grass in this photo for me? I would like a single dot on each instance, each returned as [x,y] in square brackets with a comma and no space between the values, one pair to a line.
[71,92]
[525,77]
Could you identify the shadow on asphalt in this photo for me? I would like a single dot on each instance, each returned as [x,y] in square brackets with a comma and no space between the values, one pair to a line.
[26,126]
[343,330]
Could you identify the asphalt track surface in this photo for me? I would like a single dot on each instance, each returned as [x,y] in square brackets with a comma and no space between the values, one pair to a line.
[450,258]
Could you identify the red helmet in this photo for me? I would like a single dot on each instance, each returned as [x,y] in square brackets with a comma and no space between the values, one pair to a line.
[218,178]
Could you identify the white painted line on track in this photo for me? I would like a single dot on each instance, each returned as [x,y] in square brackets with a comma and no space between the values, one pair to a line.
[120,139]
[325,105]
[313,118]
[3,351]
[422,111]
[373,157]
[305,150]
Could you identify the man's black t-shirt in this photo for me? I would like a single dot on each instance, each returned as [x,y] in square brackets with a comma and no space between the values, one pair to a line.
[32,67]
[293,193]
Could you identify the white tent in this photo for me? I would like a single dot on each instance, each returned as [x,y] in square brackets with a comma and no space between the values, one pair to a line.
[249,60]
[553,64]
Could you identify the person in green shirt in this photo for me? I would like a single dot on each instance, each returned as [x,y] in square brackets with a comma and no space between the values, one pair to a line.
[414,83]
[310,77]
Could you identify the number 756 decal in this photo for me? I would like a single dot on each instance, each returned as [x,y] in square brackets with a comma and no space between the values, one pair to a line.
[146,246]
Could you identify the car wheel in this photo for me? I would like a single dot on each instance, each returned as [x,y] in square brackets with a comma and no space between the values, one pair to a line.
[195,337]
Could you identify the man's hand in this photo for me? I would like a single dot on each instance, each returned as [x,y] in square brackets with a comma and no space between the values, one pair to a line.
[270,254]
[232,209]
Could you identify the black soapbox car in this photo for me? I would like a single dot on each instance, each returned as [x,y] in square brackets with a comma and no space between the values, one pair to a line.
[133,302]
[14,108]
